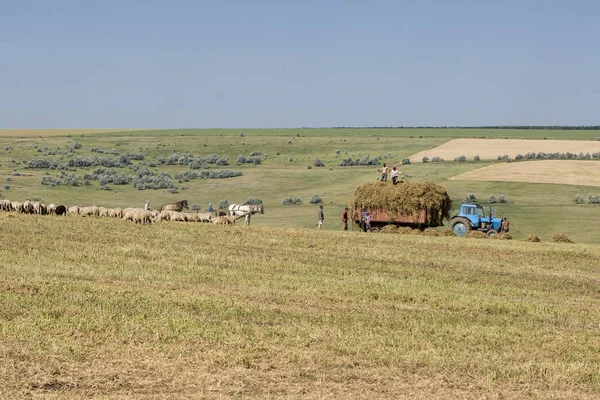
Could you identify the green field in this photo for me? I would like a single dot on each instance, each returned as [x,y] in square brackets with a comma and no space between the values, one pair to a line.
[543,209]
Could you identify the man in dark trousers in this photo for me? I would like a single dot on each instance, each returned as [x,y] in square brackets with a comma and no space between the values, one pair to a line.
[321,217]
[345,218]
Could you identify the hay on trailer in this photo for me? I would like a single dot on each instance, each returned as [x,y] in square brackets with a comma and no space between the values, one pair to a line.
[476,235]
[407,198]
[447,232]
[532,238]
[561,238]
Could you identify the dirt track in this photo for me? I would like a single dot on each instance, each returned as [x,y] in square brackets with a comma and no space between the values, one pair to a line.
[564,172]
[489,149]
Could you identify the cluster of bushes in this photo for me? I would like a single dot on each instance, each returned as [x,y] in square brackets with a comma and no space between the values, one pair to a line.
[249,160]
[253,201]
[471,198]
[348,162]
[161,181]
[223,205]
[551,156]
[106,176]
[316,199]
[114,152]
[434,159]
[208,174]
[73,146]
[318,162]
[43,164]
[63,179]
[592,199]
[291,201]
[194,162]
[121,162]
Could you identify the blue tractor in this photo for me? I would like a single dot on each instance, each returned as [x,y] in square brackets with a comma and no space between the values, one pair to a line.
[473,217]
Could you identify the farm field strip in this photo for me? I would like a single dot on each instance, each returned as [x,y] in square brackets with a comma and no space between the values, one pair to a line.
[490,149]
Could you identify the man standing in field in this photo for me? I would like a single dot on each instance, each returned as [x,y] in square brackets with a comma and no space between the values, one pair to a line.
[345,218]
[147,206]
[384,173]
[321,217]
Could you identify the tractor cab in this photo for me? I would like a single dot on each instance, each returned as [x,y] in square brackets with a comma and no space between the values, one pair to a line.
[474,216]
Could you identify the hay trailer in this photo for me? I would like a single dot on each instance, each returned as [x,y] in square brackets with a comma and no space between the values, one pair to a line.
[473,217]
[380,218]
[413,204]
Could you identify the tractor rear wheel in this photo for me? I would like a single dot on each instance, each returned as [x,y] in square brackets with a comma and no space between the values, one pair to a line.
[491,233]
[460,226]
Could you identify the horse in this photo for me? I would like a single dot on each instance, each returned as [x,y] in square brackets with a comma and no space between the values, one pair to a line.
[246,211]
[179,206]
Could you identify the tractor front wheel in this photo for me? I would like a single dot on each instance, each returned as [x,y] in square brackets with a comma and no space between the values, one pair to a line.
[491,233]
[460,226]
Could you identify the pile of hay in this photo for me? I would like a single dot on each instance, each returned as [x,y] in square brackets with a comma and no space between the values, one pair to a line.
[430,232]
[533,238]
[476,235]
[561,238]
[389,229]
[447,232]
[403,198]
[502,236]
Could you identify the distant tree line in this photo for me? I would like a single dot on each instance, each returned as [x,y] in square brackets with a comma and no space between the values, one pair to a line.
[536,127]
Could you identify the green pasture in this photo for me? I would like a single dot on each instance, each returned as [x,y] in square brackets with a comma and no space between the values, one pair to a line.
[543,209]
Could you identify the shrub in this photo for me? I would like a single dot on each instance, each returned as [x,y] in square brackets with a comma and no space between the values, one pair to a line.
[405,161]
[437,159]
[561,238]
[593,199]
[316,199]
[470,198]
[578,199]
[460,159]
[476,158]
[223,205]
[425,159]
[318,163]
[7,186]
[532,237]
[255,153]
[309,167]
[42,164]
[492,200]
[348,162]
[501,198]
[290,159]
[173,191]
[291,201]
[253,201]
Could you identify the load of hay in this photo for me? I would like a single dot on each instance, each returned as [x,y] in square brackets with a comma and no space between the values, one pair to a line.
[389,229]
[502,236]
[561,238]
[533,238]
[404,198]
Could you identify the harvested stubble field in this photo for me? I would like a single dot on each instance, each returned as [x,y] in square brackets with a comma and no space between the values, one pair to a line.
[563,172]
[103,308]
[490,149]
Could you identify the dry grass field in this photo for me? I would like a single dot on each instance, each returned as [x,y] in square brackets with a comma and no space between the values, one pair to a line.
[489,149]
[102,308]
[563,172]
[37,133]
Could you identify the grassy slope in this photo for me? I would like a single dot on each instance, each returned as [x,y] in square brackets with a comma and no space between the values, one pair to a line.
[103,308]
[532,208]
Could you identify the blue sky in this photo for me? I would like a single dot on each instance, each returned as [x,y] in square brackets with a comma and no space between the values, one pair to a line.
[265,64]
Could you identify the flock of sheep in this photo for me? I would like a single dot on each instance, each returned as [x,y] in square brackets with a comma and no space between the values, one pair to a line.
[137,215]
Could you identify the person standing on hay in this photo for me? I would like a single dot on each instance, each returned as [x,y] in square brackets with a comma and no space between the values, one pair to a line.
[384,173]
[345,218]
[395,173]
[321,217]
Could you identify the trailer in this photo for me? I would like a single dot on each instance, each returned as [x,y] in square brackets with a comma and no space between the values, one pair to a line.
[378,218]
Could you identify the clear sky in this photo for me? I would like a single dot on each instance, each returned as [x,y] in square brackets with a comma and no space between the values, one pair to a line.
[207,64]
